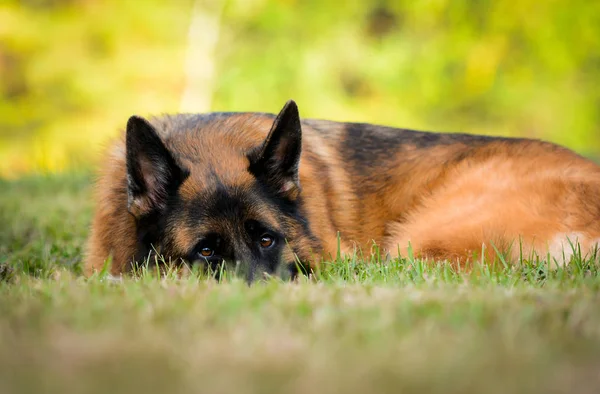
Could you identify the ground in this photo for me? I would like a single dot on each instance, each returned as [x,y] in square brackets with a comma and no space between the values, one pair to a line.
[357,327]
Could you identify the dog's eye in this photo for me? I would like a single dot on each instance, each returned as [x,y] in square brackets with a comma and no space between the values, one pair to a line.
[206,252]
[266,241]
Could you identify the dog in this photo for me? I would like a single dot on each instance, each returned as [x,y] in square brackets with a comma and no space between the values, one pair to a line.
[268,194]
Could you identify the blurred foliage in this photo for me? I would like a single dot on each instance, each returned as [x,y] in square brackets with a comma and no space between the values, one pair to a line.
[72,72]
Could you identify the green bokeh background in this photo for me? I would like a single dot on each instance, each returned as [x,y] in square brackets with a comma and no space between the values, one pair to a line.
[72,72]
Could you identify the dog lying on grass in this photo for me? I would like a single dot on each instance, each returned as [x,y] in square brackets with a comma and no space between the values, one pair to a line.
[269,194]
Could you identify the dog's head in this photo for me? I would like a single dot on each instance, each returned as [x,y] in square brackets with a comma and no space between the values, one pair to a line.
[214,196]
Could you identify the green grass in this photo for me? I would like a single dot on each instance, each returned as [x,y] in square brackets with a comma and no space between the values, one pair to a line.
[356,328]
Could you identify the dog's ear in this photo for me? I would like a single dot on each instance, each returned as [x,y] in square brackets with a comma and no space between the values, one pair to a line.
[152,173]
[276,161]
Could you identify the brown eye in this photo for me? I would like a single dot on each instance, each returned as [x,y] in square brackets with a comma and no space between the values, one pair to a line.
[206,252]
[266,241]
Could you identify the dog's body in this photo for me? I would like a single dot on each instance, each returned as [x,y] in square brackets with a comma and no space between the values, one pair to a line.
[258,190]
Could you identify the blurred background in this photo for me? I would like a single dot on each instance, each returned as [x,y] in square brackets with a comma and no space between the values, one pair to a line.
[73,71]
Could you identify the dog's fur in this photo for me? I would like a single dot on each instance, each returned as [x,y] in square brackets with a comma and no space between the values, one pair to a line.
[223,181]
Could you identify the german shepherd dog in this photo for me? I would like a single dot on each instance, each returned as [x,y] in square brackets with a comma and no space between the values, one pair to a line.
[264,193]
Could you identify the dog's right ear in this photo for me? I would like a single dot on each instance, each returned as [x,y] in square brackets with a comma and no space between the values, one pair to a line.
[152,172]
[277,161]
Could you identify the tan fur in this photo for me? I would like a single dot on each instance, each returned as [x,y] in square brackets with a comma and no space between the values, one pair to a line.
[526,201]
[113,227]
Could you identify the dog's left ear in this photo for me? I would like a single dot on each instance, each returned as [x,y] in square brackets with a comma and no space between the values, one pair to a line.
[276,161]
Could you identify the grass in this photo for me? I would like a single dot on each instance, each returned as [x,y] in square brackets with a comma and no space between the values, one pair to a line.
[357,327]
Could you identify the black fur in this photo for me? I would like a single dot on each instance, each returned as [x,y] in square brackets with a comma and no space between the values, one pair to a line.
[152,173]
[276,162]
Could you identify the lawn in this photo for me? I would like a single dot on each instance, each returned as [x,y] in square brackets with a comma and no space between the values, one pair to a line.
[356,327]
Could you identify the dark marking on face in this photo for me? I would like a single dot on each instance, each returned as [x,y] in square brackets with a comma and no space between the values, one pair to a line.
[242,226]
